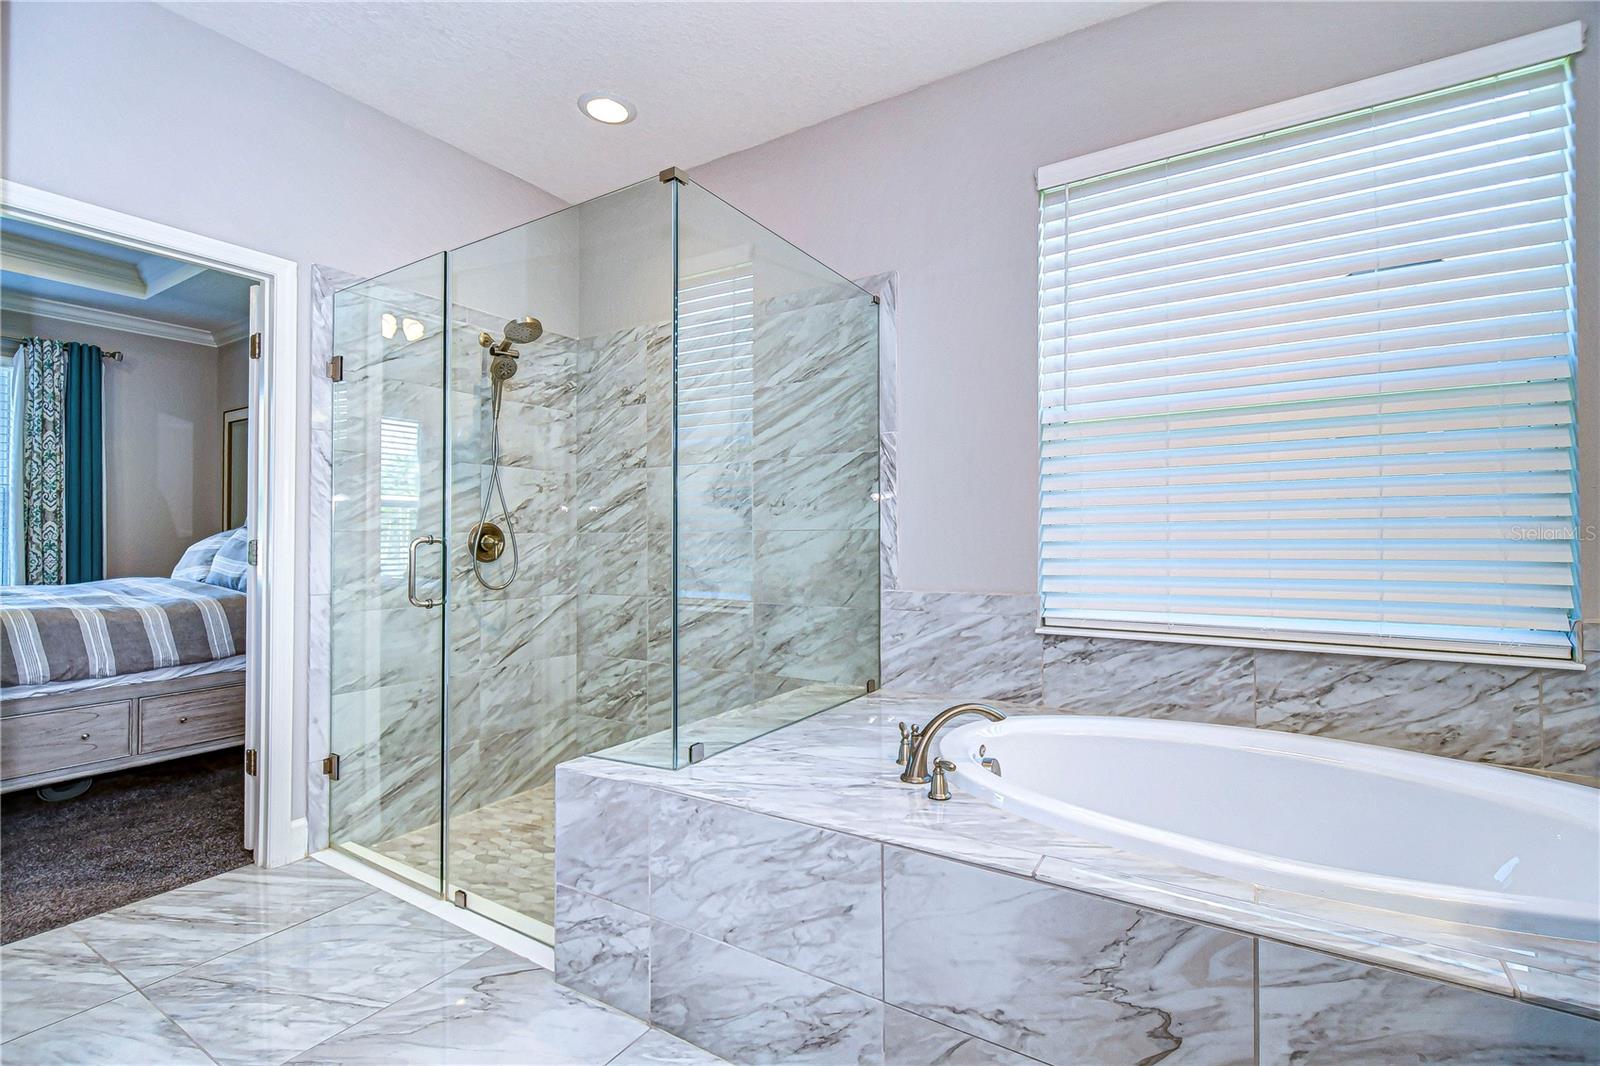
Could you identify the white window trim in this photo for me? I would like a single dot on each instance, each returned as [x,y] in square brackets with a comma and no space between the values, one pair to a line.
[1540,47]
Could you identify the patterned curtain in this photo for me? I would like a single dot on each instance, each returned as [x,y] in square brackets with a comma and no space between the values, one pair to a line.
[44,461]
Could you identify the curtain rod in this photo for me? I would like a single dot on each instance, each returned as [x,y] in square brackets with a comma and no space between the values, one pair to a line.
[113,356]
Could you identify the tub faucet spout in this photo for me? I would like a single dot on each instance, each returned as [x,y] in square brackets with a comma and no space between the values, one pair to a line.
[916,771]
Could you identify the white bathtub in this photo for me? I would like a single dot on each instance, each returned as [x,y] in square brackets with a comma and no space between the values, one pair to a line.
[1429,836]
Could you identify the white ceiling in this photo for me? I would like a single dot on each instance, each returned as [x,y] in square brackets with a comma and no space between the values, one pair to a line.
[501,80]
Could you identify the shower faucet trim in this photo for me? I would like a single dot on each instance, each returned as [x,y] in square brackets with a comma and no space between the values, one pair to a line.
[488,539]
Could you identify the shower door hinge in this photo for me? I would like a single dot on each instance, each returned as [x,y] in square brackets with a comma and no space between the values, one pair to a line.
[250,761]
[251,553]
[330,767]
[336,368]
[255,346]
[673,174]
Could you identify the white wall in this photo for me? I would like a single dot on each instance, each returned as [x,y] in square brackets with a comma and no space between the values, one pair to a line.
[938,184]
[163,439]
[131,107]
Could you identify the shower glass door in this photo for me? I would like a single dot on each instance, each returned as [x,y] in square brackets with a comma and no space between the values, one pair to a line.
[604,484]
[387,654]
[561,646]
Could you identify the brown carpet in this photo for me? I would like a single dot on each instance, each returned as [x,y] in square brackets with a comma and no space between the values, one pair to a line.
[135,834]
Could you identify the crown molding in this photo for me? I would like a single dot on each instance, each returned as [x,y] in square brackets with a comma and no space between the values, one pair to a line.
[72,266]
[23,304]
[231,334]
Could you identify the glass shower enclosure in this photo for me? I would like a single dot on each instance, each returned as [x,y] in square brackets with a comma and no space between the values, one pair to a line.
[605,483]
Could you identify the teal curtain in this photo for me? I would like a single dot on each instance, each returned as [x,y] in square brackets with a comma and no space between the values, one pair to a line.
[86,514]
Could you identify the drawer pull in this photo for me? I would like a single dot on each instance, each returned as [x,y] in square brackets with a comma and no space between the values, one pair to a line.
[83,736]
[182,720]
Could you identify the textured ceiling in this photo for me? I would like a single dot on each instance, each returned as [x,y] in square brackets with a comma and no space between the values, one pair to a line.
[501,80]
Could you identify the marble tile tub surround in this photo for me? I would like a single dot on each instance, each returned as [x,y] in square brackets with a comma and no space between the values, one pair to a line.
[985,647]
[300,963]
[768,940]
[835,773]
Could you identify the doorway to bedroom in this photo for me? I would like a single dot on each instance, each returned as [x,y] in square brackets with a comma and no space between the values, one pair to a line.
[126,429]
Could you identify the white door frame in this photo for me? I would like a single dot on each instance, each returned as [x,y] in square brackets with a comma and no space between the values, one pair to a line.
[271,630]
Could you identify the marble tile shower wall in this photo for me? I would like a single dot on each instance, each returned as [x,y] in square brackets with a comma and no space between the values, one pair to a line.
[985,647]
[384,713]
[766,940]
[512,654]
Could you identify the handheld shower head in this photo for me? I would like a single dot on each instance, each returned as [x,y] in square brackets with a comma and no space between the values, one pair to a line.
[502,368]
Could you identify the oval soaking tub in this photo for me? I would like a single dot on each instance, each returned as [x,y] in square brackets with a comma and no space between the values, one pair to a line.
[1420,834]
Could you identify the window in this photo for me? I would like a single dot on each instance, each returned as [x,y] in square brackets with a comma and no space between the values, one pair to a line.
[399,492]
[716,372]
[1317,385]
[7,365]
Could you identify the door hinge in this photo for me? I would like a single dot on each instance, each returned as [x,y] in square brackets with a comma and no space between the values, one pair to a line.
[251,553]
[330,767]
[336,368]
[255,346]
[250,761]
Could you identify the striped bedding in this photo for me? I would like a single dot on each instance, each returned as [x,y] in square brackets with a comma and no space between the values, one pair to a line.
[106,628]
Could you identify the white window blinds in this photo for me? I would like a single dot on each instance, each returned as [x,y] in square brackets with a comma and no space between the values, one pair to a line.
[1318,385]
[399,491]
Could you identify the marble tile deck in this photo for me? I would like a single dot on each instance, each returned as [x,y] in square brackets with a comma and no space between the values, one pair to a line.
[836,771]
[302,964]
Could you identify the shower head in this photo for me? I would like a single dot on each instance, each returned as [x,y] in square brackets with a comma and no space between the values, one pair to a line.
[524,330]
[518,331]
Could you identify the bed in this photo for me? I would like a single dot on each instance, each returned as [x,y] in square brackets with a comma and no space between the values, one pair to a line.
[104,675]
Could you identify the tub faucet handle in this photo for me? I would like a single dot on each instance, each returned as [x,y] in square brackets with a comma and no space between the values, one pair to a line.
[939,788]
[908,741]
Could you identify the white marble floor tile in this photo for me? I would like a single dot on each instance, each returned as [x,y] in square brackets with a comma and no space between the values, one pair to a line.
[499,1008]
[274,998]
[158,937]
[52,976]
[660,1048]
[127,1031]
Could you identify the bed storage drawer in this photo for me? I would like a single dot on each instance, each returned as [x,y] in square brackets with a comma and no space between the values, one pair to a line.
[54,740]
[179,719]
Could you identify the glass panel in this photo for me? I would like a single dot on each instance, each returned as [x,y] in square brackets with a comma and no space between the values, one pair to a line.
[570,652]
[777,514]
[388,487]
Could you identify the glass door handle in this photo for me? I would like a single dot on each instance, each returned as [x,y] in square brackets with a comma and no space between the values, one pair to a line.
[411,571]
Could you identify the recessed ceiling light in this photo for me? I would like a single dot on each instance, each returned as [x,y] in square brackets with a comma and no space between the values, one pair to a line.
[608,109]
[389,325]
[413,329]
